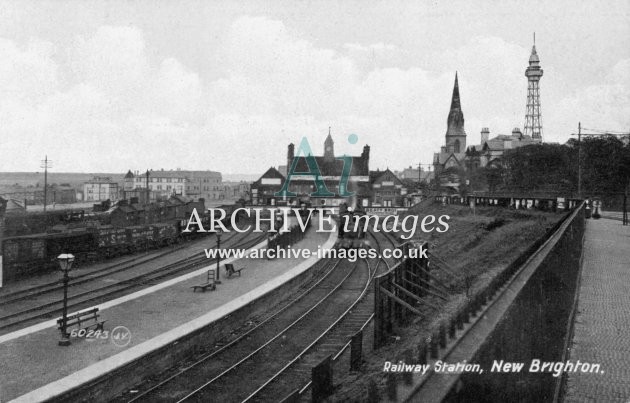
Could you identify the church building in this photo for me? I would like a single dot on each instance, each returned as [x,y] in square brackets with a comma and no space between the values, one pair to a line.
[450,160]
[456,157]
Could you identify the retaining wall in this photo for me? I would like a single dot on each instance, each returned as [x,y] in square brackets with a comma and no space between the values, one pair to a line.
[535,326]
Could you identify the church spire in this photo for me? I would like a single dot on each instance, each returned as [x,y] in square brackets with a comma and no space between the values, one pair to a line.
[455,119]
[455,104]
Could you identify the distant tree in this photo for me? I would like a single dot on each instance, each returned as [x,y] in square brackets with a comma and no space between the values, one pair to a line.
[540,167]
[605,165]
[494,175]
[553,168]
[452,175]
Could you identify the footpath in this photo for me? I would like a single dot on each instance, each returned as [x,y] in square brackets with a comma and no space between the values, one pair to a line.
[602,321]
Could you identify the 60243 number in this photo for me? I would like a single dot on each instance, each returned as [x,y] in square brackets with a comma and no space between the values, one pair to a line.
[90,334]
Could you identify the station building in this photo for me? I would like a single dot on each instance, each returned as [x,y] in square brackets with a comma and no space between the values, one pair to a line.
[370,188]
[331,169]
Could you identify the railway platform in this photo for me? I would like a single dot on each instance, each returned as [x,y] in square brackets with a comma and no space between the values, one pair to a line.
[602,323]
[35,368]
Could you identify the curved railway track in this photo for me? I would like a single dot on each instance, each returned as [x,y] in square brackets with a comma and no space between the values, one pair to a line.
[335,341]
[379,247]
[276,356]
[92,295]
[391,239]
[262,350]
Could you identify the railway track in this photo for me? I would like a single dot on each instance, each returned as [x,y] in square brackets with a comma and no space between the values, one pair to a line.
[332,342]
[90,276]
[391,242]
[92,295]
[274,358]
[261,351]
[391,239]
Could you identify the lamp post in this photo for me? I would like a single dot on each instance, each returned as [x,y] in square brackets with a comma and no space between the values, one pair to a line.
[219,233]
[65,263]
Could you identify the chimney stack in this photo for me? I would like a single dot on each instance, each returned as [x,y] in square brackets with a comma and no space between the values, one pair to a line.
[485,135]
[290,155]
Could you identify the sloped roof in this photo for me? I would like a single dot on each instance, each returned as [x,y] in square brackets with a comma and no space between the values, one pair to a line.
[270,173]
[124,209]
[138,207]
[443,157]
[379,174]
[497,143]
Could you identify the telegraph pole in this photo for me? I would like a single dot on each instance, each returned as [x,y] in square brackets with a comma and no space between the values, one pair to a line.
[148,200]
[46,163]
[579,160]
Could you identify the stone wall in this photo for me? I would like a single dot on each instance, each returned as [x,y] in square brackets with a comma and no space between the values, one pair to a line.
[535,326]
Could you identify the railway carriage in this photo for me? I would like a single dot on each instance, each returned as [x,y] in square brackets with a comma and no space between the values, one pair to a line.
[165,234]
[124,228]
[30,254]
[23,255]
[80,241]
[112,241]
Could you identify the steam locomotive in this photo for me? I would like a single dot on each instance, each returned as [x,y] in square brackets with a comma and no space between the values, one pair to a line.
[354,237]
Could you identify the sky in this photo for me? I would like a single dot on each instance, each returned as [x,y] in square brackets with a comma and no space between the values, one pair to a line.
[112,85]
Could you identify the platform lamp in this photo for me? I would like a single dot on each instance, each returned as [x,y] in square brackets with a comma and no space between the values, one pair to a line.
[65,263]
[218,233]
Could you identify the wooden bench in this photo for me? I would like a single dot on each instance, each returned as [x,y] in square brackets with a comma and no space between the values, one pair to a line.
[211,283]
[80,318]
[203,287]
[230,270]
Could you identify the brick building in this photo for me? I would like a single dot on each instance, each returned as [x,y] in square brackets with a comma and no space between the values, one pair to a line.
[100,188]
[387,189]
[197,184]
[263,190]
[303,184]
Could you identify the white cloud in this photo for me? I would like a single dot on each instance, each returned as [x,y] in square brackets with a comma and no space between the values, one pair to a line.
[27,75]
[113,59]
[111,104]
[605,106]
[110,114]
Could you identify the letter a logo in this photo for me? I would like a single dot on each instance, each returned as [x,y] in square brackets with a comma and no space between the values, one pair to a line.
[313,170]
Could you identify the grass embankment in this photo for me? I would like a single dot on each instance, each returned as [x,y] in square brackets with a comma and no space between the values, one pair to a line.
[475,248]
